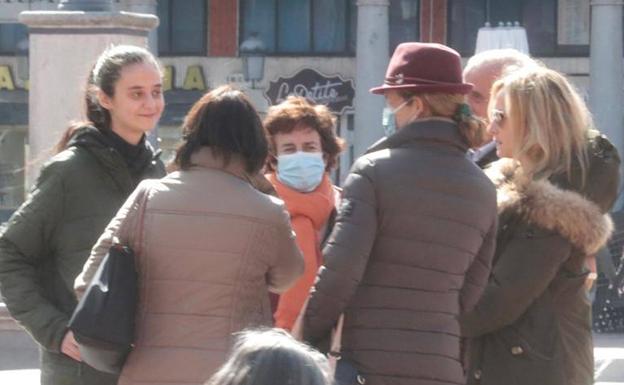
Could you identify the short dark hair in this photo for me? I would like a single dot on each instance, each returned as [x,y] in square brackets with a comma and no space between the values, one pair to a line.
[224,120]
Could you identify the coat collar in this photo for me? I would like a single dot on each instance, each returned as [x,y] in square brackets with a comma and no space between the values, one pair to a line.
[540,202]
[207,159]
[440,130]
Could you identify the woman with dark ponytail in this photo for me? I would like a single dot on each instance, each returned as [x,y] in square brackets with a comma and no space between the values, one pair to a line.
[97,165]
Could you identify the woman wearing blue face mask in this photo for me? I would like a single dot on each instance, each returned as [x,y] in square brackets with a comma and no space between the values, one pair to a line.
[414,236]
[304,147]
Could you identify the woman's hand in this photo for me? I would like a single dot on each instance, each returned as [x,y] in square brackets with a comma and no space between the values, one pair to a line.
[69,346]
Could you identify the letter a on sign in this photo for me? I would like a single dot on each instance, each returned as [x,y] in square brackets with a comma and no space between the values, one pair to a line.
[194,79]
[168,77]
[6,79]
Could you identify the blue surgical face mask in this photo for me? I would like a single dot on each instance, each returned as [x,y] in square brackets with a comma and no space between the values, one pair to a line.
[388,119]
[302,171]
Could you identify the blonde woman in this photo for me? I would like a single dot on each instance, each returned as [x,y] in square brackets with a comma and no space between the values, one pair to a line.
[532,324]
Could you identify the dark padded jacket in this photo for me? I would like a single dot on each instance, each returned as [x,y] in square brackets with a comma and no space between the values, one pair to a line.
[46,242]
[410,251]
[532,325]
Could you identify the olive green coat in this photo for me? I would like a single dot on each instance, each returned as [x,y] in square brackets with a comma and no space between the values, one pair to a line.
[532,324]
[44,245]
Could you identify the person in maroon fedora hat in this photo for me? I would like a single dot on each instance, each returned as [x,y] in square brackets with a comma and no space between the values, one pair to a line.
[424,67]
[413,241]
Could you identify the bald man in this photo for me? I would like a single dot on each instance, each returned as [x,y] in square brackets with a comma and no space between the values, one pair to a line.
[482,70]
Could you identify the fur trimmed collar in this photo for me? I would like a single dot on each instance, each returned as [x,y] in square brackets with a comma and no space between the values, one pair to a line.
[542,203]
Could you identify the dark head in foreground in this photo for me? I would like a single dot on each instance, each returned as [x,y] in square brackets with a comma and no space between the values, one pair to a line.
[269,357]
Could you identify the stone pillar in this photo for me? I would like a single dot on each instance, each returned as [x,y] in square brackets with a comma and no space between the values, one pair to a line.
[63,48]
[606,91]
[371,61]
[149,7]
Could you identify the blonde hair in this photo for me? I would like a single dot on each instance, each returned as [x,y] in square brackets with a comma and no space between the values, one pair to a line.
[550,119]
[272,356]
[443,105]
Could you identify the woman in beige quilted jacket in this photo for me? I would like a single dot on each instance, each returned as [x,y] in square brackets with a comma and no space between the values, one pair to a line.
[210,246]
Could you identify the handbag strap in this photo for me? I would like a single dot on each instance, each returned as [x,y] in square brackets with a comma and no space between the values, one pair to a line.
[335,346]
[138,229]
[136,233]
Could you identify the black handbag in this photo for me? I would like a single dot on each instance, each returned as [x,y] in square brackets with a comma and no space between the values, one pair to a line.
[347,374]
[103,323]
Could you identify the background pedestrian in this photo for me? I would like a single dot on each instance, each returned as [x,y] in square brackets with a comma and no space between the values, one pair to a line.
[304,148]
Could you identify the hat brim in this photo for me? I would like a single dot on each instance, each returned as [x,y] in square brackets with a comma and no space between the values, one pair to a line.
[460,88]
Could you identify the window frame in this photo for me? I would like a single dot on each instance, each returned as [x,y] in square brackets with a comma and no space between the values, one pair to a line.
[391,44]
[169,32]
[347,52]
[560,50]
[15,50]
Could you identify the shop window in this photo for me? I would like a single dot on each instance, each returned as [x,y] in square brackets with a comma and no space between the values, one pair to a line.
[12,153]
[11,36]
[308,27]
[183,27]
[404,22]
[539,17]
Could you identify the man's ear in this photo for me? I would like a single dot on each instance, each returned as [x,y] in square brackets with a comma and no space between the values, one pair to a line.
[104,100]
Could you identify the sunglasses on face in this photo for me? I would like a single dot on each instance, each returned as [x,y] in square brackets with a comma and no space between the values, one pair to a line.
[497,116]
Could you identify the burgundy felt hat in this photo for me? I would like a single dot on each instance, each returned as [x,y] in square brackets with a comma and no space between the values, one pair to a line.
[424,67]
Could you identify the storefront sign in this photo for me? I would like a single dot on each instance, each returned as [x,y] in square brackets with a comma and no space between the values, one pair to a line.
[334,92]
[7,82]
[193,78]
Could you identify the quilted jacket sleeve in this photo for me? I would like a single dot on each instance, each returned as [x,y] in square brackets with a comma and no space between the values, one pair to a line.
[479,272]
[345,254]
[26,244]
[287,265]
[529,262]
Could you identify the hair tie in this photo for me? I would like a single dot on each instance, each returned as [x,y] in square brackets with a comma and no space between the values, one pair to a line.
[463,111]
